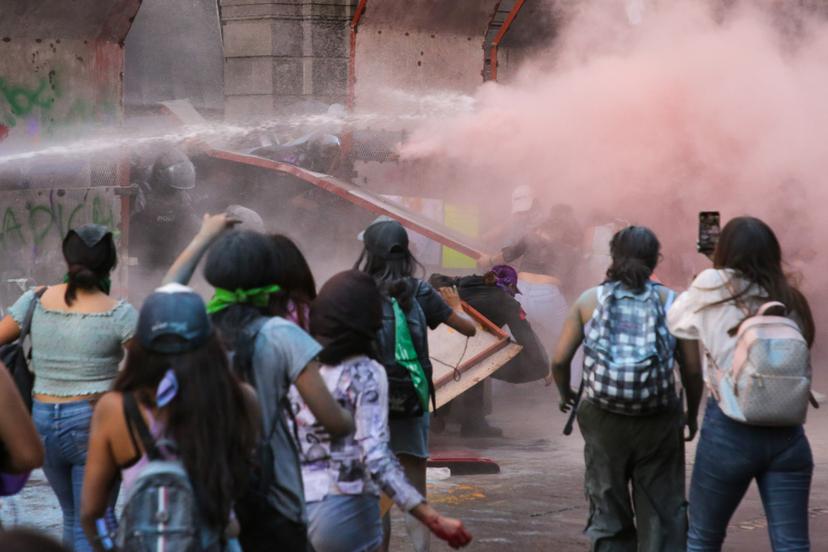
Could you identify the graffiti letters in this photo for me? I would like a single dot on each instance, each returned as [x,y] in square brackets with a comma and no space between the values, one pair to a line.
[38,223]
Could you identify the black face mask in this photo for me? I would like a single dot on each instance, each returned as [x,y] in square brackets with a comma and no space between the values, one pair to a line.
[346,316]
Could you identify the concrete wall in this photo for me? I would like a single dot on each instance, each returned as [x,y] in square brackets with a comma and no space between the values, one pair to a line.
[61,64]
[174,51]
[48,86]
[280,54]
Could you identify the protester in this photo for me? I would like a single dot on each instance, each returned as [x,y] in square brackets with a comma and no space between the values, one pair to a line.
[493,296]
[544,247]
[77,334]
[342,476]
[418,306]
[177,377]
[631,415]
[296,278]
[747,272]
[250,309]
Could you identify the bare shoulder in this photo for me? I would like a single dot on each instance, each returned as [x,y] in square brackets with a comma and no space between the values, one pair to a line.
[110,406]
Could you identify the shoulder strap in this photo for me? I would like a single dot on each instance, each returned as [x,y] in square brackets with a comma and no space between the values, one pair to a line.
[27,322]
[135,421]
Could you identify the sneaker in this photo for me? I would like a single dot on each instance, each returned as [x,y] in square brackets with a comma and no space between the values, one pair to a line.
[480,429]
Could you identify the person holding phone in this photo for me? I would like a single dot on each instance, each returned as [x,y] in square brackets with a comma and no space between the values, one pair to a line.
[747,272]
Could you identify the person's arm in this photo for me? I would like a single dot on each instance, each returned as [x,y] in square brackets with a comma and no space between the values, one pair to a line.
[101,473]
[212,226]
[335,419]
[458,319]
[689,359]
[571,338]
[21,443]
[382,464]
[9,330]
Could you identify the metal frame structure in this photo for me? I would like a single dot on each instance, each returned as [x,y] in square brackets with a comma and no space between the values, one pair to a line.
[362,198]
[465,365]
[490,55]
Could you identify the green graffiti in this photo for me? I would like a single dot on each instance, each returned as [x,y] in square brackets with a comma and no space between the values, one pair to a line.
[45,107]
[11,229]
[35,224]
[23,101]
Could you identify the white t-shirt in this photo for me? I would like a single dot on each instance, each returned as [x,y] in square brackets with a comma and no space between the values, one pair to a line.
[692,317]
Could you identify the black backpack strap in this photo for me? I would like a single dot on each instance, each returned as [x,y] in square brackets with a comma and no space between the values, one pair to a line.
[27,322]
[135,422]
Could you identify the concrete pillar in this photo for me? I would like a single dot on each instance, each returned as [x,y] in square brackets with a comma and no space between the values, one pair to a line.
[280,53]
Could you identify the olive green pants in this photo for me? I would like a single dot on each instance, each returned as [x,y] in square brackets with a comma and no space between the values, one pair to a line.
[634,480]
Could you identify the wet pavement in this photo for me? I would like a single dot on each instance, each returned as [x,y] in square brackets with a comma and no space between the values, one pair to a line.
[536,503]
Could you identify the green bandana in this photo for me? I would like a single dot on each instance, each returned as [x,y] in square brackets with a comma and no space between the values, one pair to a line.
[223,298]
[104,284]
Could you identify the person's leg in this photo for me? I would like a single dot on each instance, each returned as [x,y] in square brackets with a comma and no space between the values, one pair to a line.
[75,426]
[724,467]
[658,484]
[785,489]
[473,414]
[57,469]
[610,527]
[415,472]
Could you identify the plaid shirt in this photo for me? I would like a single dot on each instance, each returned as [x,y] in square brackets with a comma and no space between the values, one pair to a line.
[628,352]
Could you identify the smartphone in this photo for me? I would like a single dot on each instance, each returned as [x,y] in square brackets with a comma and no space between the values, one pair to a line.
[709,230]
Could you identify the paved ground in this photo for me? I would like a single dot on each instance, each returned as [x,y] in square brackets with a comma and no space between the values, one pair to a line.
[536,503]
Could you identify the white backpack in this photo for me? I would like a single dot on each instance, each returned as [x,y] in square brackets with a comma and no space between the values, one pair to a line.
[769,382]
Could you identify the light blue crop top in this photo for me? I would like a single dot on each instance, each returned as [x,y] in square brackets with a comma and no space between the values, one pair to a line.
[76,353]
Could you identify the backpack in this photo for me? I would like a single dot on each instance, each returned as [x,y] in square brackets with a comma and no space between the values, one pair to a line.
[769,381]
[161,510]
[629,352]
[15,357]
[400,344]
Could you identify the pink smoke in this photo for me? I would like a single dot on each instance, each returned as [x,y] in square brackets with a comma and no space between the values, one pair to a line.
[694,109]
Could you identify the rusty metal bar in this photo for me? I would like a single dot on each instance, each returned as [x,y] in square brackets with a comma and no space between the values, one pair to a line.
[502,33]
[361,198]
[348,137]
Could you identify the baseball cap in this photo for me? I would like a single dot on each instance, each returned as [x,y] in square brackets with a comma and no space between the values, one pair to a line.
[507,278]
[523,197]
[173,320]
[387,240]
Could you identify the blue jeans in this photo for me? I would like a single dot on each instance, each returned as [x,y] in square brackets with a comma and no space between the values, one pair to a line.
[64,428]
[345,523]
[730,455]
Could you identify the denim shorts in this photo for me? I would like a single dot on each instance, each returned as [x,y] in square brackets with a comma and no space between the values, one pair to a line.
[345,523]
[410,435]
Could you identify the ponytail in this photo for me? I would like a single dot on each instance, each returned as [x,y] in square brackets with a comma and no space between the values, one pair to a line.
[632,273]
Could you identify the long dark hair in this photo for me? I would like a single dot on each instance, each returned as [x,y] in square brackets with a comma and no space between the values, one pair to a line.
[749,246]
[293,273]
[87,267]
[635,251]
[393,276]
[208,419]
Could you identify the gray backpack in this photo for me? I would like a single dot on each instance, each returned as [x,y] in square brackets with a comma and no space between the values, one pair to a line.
[161,511]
